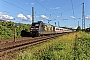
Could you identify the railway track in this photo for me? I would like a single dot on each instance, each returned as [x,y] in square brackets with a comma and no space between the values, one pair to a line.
[18,45]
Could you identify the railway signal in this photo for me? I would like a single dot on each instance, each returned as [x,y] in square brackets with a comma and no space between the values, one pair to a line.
[55,22]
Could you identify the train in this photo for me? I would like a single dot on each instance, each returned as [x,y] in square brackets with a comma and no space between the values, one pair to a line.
[39,28]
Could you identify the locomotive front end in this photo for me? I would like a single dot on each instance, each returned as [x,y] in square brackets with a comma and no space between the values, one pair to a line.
[34,31]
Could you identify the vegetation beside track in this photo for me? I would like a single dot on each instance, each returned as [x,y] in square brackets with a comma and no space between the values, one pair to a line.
[74,46]
[7,29]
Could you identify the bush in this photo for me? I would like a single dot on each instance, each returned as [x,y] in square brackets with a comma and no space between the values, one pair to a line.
[7,29]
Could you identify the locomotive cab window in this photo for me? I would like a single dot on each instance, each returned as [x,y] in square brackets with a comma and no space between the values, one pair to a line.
[37,25]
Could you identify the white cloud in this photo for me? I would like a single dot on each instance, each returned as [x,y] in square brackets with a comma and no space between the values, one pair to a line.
[88,17]
[5,17]
[26,3]
[1,13]
[58,16]
[29,17]
[1,18]
[75,27]
[45,17]
[42,16]
[21,16]
[41,20]
[56,8]
[73,17]
[32,3]
[37,16]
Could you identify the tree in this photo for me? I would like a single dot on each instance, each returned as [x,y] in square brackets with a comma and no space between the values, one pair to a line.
[7,29]
[78,28]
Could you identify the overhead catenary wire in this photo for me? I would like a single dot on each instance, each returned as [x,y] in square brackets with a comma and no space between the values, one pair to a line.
[42,6]
[72,7]
[73,11]
[69,10]
[15,5]
[45,7]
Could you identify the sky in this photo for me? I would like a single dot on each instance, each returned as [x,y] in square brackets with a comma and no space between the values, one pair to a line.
[66,12]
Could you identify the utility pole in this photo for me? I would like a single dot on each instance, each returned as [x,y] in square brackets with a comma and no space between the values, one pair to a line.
[78,23]
[14,32]
[83,17]
[32,14]
[58,23]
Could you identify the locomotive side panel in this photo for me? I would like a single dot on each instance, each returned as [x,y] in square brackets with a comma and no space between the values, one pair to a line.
[40,28]
[47,29]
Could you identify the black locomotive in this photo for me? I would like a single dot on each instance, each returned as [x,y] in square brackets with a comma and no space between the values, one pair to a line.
[40,28]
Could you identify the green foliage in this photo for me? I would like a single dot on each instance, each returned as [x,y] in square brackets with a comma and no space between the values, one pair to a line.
[60,51]
[80,51]
[47,55]
[25,56]
[63,48]
[7,29]
[82,48]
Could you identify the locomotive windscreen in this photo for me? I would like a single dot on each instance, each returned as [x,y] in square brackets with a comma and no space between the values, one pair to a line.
[35,25]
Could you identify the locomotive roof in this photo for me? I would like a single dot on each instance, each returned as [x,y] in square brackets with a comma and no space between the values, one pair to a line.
[47,24]
[42,22]
[37,22]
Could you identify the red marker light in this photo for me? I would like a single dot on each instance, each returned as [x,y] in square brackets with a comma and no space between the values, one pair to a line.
[30,30]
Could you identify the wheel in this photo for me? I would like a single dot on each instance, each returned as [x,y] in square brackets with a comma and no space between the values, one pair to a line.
[37,34]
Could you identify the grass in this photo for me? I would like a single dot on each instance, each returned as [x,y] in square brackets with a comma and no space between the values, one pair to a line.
[74,46]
